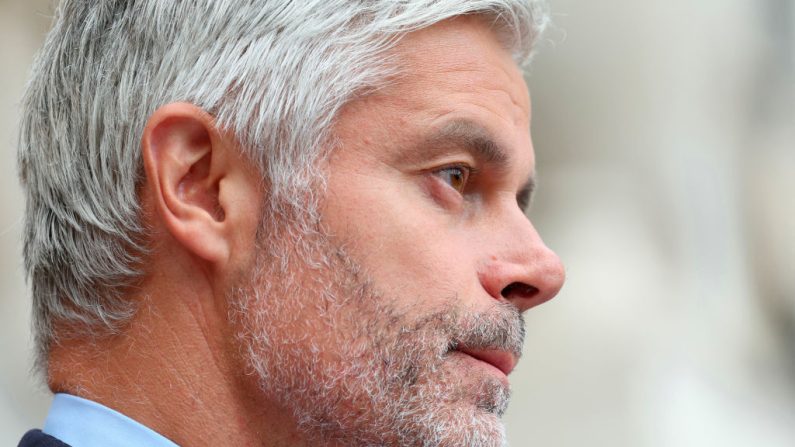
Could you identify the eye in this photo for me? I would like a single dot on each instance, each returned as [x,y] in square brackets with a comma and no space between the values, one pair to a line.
[455,176]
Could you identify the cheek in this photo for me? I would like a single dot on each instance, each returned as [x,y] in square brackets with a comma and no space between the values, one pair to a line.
[406,245]
[420,261]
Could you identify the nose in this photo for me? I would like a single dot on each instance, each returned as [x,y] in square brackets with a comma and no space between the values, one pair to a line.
[519,268]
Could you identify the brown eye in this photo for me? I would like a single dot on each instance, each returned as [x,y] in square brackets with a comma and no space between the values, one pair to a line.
[455,176]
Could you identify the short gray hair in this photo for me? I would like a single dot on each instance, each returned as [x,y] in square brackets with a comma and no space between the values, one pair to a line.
[275,73]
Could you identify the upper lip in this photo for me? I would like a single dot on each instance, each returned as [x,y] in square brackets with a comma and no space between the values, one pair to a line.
[502,360]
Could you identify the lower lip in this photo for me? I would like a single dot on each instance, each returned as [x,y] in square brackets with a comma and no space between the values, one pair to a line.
[481,363]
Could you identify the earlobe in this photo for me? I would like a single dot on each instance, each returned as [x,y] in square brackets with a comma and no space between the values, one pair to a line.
[185,162]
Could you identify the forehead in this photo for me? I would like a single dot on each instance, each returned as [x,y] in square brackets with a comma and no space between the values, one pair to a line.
[456,70]
[462,54]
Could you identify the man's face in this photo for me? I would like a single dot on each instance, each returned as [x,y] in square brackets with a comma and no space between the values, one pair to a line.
[398,321]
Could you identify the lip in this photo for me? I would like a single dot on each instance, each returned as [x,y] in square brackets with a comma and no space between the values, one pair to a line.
[502,360]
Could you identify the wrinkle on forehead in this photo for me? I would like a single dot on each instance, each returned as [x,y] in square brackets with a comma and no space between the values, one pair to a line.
[483,65]
[452,70]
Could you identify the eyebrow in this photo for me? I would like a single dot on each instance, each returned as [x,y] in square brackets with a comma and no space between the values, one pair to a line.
[474,138]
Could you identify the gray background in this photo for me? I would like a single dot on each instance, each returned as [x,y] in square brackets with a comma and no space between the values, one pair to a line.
[665,134]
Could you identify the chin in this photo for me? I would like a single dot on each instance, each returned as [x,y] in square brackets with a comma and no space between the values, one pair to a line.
[418,399]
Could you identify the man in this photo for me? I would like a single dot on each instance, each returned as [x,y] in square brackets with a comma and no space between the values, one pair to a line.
[281,223]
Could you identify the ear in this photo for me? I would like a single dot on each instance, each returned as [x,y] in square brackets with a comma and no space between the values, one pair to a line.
[186,160]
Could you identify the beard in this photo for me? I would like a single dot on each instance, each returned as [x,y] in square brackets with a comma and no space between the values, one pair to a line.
[358,366]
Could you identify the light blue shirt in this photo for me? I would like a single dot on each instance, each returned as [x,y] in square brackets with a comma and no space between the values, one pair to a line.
[83,423]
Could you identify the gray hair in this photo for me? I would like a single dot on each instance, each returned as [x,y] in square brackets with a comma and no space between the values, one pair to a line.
[275,73]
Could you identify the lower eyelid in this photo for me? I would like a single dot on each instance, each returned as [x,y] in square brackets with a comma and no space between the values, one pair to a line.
[441,191]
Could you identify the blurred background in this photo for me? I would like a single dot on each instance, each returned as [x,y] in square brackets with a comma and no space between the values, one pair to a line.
[665,138]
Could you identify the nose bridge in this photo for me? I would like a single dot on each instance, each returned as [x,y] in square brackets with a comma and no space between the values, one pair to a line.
[516,241]
[520,267]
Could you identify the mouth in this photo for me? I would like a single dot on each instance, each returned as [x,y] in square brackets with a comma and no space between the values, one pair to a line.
[501,360]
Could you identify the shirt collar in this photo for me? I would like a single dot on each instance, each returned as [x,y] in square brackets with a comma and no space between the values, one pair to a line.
[83,423]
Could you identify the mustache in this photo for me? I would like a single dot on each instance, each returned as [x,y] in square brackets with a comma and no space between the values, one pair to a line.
[500,328]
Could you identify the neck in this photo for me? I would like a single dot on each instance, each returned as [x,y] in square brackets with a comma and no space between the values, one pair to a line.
[176,370]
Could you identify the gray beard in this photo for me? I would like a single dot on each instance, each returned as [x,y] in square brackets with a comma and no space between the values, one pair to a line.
[388,380]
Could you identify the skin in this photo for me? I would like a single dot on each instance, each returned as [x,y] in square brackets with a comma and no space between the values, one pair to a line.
[391,204]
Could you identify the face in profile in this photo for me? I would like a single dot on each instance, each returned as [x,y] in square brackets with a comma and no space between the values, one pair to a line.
[398,320]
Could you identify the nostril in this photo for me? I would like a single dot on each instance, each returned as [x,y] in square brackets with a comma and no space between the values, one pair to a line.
[519,290]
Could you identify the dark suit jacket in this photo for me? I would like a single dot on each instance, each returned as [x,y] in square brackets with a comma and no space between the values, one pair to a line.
[35,438]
